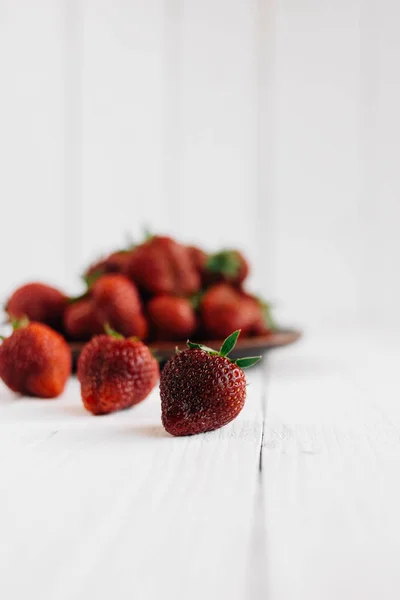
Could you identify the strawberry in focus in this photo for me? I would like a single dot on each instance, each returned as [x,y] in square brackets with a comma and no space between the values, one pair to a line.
[173,318]
[35,360]
[163,266]
[201,389]
[38,302]
[115,373]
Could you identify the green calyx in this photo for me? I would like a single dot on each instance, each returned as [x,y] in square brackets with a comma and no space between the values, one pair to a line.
[110,331]
[19,323]
[90,280]
[226,262]
[269,320]
[195,300]
[147,234]
[227,347]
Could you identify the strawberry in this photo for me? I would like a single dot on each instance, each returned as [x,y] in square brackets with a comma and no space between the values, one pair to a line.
[115,373]
[35,360]
[202,389]
[81,320]
[224,308]
[114,263]
[227,265]
[38,302]
[117,302]
[199,259]
[173,318]
[162,266]
[112,299]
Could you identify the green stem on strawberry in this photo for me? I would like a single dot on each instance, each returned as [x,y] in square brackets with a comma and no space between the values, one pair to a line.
[226,262]
[195,300]
[226,348]
[269,320]
[110,331]
[19,323]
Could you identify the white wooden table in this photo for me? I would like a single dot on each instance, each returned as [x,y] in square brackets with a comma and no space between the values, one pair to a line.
[297,498]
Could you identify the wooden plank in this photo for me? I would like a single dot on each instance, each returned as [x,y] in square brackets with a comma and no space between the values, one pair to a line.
[114,506]
[330,458]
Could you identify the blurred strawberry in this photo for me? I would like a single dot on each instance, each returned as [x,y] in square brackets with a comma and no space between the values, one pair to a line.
[117,302]
[38,302]
[35,360]
[173,318]
[227,265]
[81,320]
[114,263]
[224,308]
[199,259]
[162,266]
[115,373]
[112,299]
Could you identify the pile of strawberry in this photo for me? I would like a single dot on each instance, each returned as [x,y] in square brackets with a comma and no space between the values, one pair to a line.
[201,389]
[157,290]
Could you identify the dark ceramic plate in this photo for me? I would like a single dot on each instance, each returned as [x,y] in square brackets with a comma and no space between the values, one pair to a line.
[251,346]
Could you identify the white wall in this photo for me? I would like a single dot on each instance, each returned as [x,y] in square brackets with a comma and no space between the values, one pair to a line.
[270,124]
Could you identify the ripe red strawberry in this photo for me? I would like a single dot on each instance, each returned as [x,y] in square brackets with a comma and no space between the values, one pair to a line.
[115,373]
[162,266]
[202,389]
[112,299]
[199,259]
[227,265]
[114,263]
[38,302]
[35,360]
[81,321]
[117,302]
[224,308]
[173,318]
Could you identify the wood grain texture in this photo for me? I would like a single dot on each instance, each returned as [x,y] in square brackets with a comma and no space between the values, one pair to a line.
[115,507]
[331,459]
[297,498]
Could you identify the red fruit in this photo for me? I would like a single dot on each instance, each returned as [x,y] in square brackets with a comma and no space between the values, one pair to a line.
[36,361]
[81,320]
[227,265]
[224,308]
[112,299]
[162,266]
[115,373]
[38,302]
[173,318]
[117,302]
[201,389]
[114,263]
[199,259]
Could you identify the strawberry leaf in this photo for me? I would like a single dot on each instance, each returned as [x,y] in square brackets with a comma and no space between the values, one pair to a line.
[194,346]
[244,363]
[229,343]
[226,262]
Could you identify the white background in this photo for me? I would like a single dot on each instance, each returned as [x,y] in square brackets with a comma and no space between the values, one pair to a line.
[272,125]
